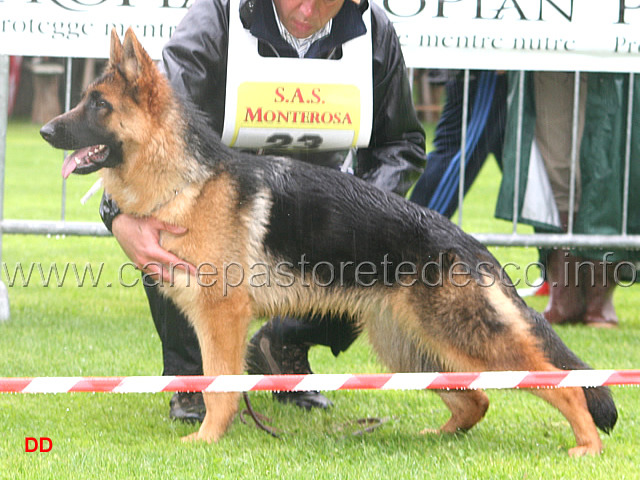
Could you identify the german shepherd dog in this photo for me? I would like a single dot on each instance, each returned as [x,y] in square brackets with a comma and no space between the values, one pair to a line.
[323,242]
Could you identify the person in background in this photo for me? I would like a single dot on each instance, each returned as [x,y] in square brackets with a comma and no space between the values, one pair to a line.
[581,282]
[437,187]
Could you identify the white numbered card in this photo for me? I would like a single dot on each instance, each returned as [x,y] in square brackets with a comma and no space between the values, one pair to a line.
[293,103]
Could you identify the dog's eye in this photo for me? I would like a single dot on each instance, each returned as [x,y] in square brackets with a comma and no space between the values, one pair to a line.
[98,102]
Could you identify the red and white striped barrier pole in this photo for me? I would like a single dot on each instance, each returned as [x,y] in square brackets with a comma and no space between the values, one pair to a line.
[323,382]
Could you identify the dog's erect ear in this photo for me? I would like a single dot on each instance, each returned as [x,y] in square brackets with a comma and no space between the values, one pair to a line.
[136,60]
[115,56]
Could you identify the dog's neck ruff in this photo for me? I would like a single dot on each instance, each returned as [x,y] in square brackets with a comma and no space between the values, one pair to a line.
[176,192]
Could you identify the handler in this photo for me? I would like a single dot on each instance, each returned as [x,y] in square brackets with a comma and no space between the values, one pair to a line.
[228,52]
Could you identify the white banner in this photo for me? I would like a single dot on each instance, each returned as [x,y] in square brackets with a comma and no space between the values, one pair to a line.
[596,35]
[563,35]
[82,28]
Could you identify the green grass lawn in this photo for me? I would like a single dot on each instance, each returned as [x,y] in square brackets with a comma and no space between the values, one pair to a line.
[107,330]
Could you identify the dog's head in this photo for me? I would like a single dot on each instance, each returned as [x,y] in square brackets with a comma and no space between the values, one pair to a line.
[116,112]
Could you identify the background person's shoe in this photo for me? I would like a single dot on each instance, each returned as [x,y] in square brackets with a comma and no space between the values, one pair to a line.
[187,407]
[566,297]
[598,293]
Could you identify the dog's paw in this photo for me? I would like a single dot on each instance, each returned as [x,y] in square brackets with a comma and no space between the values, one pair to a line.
[195,437]
[191,438]
[582,450]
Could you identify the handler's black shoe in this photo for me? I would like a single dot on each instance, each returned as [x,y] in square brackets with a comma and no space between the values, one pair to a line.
[187,407]
[306,400]
[267,355]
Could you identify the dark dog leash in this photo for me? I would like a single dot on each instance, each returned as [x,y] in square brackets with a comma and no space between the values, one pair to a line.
[369,424]
[257,417]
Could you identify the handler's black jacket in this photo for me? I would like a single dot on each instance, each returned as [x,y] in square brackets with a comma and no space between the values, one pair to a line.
[195,61]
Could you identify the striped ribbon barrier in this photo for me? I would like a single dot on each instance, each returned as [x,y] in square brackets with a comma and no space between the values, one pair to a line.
[322,382]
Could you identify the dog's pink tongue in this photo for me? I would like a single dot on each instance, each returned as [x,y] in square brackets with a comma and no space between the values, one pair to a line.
[70,164]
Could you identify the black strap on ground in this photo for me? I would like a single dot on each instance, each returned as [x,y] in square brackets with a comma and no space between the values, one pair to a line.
[257,417]
[370,423]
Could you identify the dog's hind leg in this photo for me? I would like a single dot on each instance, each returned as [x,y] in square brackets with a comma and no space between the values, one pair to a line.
[467,408]
[573,405]
[222,332]
[495,333]
[533,345]
[397,345]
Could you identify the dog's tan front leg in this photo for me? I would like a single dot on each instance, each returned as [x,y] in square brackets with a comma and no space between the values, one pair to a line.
[222,334]
[221,408]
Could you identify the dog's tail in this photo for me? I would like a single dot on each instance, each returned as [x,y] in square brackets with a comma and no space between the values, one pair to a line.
[599,400]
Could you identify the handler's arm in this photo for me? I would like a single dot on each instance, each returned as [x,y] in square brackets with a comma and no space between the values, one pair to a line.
[195,58]
[396,154]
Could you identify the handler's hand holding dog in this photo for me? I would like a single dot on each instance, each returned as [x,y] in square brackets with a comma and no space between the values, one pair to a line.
[139,238]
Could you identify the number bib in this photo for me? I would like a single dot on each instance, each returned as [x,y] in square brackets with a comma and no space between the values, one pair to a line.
[281,108]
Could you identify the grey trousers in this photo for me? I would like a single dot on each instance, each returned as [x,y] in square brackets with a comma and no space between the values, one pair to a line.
[554,126]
